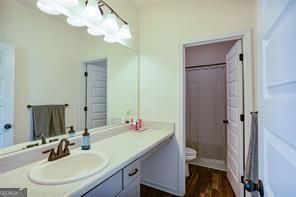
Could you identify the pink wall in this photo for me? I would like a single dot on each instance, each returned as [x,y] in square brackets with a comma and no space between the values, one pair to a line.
[207,54]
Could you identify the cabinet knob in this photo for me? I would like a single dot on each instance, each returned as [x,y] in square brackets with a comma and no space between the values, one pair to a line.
[7,126]
[133,172]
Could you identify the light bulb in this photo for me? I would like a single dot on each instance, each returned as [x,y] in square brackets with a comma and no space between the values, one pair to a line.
[110,39]
[125,32]
[95,31]
[68,3]
[47,8]
[110,23]
[92,12]
[76,22]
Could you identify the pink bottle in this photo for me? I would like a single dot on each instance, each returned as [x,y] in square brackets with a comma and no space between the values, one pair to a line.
[140,123]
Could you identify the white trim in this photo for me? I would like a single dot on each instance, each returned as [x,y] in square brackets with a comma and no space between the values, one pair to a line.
[248,87]
[209,163]
[10,57]
[165,188]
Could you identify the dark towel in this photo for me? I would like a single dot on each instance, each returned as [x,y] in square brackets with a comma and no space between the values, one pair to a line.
[251,171]
[57,120]
[49,120]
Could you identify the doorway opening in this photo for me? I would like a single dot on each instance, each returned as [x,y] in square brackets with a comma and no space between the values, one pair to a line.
[94,93]
[214,108]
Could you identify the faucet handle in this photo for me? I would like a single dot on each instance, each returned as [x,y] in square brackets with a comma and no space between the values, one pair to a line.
[52,154]
[67,143]
[48,151]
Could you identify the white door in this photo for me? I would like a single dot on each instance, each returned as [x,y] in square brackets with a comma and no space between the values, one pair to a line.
[7,73]
[277,107]
[234,161]
[97,94]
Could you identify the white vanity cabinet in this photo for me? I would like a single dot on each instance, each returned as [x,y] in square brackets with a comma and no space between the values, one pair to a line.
[124,183]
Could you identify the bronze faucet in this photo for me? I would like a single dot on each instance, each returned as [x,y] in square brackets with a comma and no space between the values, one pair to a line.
[62,150]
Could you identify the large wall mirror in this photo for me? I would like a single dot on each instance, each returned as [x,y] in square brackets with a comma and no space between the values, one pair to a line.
[51,72]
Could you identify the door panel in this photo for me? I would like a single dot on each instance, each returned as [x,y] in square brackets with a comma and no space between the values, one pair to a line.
[97,94]
[277,156]
[7,75]
[235,126]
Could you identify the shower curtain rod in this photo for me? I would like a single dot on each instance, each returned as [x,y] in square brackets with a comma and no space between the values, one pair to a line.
[208,65]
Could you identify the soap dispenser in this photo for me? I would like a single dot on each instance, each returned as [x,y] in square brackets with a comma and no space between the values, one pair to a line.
[85,140]
[71,132]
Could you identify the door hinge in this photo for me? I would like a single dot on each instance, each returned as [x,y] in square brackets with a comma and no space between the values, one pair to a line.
[241,57]
[242,117]
[85,109]
[86,74]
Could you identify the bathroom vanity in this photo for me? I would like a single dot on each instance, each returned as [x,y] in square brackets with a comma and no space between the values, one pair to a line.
[126,150]
[126,182]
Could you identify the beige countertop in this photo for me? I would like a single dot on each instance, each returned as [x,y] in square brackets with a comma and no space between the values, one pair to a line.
[122,149]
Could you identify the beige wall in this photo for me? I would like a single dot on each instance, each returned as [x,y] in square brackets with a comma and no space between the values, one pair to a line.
[48,57]
[163,29]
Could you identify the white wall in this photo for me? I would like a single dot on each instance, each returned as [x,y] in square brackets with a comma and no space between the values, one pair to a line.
[163,29]
[48,57]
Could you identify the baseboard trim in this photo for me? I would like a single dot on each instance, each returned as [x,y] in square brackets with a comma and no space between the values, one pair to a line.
[161,187]
[209,163]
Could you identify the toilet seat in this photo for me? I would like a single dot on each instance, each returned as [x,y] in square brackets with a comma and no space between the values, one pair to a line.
[190,152]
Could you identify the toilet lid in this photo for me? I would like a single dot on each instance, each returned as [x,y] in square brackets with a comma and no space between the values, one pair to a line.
[190,151]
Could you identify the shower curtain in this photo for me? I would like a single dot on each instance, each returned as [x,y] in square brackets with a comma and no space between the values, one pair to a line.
[205,111]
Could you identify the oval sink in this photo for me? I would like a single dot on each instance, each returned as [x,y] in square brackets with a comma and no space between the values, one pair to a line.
[77,166]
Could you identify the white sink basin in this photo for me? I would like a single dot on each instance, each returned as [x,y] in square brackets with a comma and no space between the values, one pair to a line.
[77,166]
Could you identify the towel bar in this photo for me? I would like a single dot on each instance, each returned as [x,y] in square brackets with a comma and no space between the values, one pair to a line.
[30,106]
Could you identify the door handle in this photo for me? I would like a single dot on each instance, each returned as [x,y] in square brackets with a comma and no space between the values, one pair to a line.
[7,126]
[250,186]
[225,121]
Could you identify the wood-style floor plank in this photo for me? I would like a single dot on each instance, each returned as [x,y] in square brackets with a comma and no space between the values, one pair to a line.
[202,182]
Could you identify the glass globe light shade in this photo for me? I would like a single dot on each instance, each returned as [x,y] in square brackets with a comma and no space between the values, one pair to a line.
[110,23]
[92,12]
[124,32]
[49,9]
[95,31]
[76,22]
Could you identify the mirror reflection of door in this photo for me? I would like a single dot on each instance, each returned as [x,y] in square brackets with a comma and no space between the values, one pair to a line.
[7,74]
[96,95]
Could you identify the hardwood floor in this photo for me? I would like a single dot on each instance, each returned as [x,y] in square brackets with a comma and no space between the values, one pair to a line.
[202,182]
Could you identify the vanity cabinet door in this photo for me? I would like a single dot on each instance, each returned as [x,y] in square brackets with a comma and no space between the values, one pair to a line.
[132,190]
[131,172]
[109,188]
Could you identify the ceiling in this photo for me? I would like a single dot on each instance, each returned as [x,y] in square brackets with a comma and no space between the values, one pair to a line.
[147,3]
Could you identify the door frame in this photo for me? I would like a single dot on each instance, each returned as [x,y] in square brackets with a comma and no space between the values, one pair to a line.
[81,91]
[10,49]
[248,85]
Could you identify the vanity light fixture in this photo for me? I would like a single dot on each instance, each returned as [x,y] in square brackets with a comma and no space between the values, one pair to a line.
[96,31]
[47,8]
[110,23]
[99,18]
[110,39]
[92,11]
[76,22]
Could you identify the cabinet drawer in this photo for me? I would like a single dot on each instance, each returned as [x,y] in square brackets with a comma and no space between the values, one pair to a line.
[131,172]
[132,190]
[109,188]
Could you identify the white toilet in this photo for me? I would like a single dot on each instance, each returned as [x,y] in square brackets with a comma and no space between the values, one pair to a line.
[190,154]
